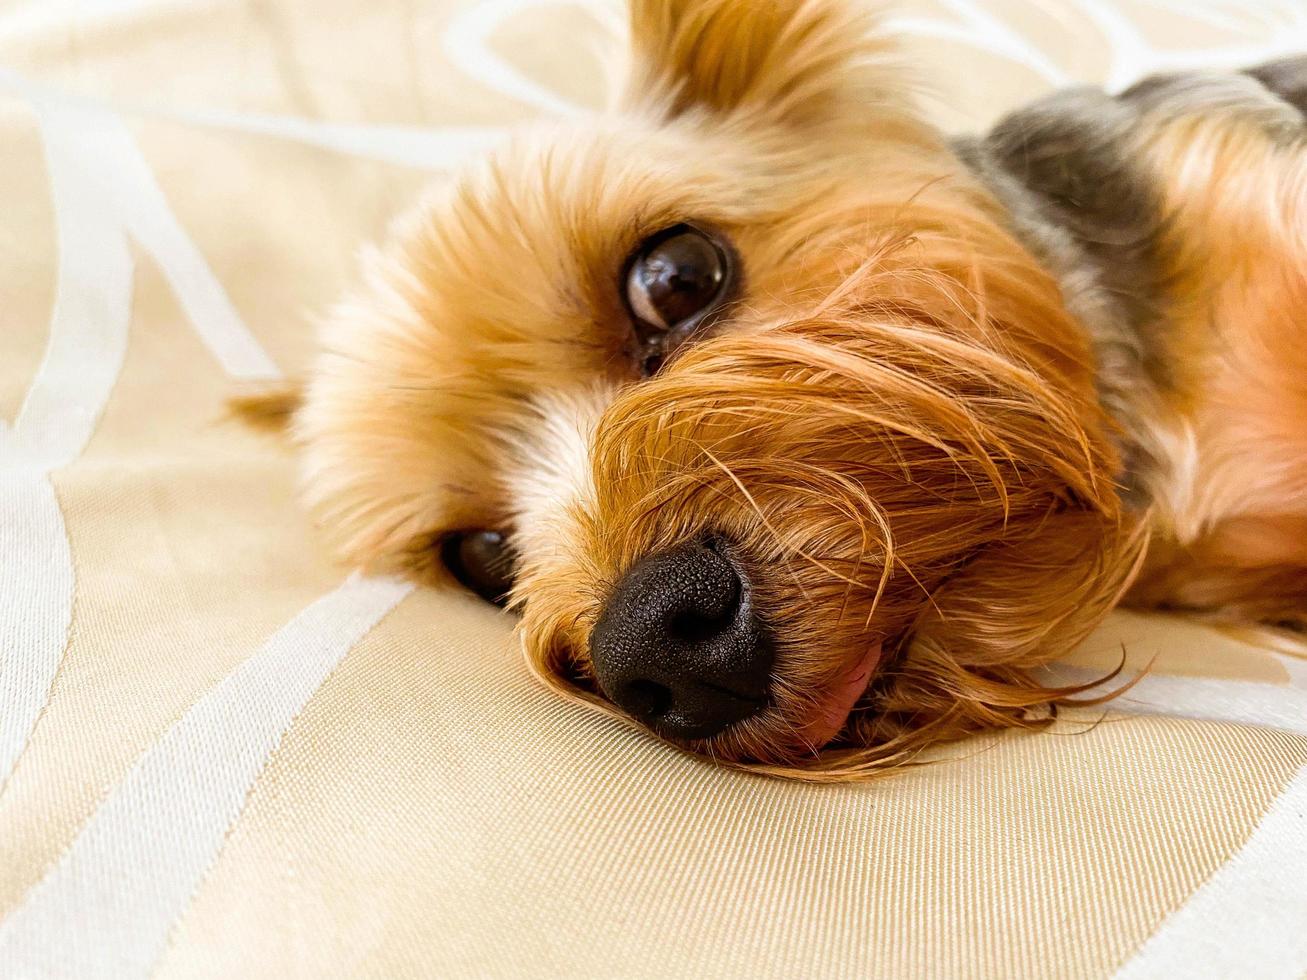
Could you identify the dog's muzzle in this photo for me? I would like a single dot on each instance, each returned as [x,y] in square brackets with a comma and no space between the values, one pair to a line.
[678,646]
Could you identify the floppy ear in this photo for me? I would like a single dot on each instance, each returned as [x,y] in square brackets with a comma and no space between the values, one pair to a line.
[1021,603]
[269,407]
[793,61]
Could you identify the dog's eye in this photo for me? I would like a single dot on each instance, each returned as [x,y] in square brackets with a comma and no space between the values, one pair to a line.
[676,276]
[482,561]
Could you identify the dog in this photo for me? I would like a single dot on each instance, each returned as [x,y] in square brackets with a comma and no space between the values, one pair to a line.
[805,436]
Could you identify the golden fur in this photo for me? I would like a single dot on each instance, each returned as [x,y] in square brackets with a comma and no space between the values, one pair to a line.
[898,425]
[1230,484]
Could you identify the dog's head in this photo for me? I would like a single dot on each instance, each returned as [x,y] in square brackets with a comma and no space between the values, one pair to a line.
[744,396]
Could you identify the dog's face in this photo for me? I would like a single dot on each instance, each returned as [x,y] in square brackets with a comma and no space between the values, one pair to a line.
[741,391]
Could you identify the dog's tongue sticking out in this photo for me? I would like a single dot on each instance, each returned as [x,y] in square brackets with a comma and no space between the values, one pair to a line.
[840,698]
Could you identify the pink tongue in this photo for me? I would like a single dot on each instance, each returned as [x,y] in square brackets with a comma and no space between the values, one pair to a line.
[839,701]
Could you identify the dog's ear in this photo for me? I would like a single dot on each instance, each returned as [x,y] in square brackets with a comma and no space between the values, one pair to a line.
[795,62]
[270,407]
[1024,601]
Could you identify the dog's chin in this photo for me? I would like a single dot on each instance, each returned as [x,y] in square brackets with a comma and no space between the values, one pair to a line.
[777,742]
[833,709]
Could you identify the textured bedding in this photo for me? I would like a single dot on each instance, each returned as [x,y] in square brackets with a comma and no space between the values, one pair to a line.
[221,755]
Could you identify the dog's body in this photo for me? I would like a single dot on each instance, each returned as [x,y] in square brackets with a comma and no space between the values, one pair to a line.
[804,428]
[1175,217]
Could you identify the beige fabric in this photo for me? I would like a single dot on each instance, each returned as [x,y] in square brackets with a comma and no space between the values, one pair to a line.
[178,797]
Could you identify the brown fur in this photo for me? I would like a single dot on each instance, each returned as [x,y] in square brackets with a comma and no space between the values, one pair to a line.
[270,408]
[1230,478]
[897,425]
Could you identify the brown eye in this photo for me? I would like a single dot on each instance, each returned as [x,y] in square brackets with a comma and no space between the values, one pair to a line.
[482,561]
[675,278]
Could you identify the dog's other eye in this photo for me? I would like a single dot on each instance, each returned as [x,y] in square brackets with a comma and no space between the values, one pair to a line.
[676,276]
[481,561]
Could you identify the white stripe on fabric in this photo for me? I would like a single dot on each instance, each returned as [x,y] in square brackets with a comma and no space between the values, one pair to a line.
[93,297]
[1133,54]
[129,197]
[408,146]
[466,44]
[101,190]
[1204,698]
[84,353]
[104,910]
[1249,919]
[982,30]
[436,148]
[151,222]
[36,582]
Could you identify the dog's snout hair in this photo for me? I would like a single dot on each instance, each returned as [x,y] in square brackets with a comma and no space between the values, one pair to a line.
[888,466]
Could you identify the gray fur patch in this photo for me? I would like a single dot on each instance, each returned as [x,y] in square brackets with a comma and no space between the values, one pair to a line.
[1067,172]
[1287,78]
[1165,97]
[1067,169]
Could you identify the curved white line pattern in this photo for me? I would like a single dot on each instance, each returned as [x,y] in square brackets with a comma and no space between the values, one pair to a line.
[36,581]
[149,220]
[978,27]
[103,194]
[84,353]
[93,295]
[436,149]
[409,146]
[104,910]
[1282,706]
[1249,919]
[466,45]
[1132,55]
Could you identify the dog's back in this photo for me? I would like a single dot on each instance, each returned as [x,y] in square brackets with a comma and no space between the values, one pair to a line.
[1175,216]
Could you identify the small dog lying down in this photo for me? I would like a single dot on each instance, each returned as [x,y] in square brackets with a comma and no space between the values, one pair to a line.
[804,436]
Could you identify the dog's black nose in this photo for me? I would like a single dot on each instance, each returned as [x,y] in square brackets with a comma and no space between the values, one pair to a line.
[678,647]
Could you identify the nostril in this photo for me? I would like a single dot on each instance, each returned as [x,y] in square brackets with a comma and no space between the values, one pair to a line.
[647,700]
[695,628]
[715,543]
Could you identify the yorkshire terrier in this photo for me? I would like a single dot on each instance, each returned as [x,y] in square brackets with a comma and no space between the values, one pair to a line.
[805,436]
